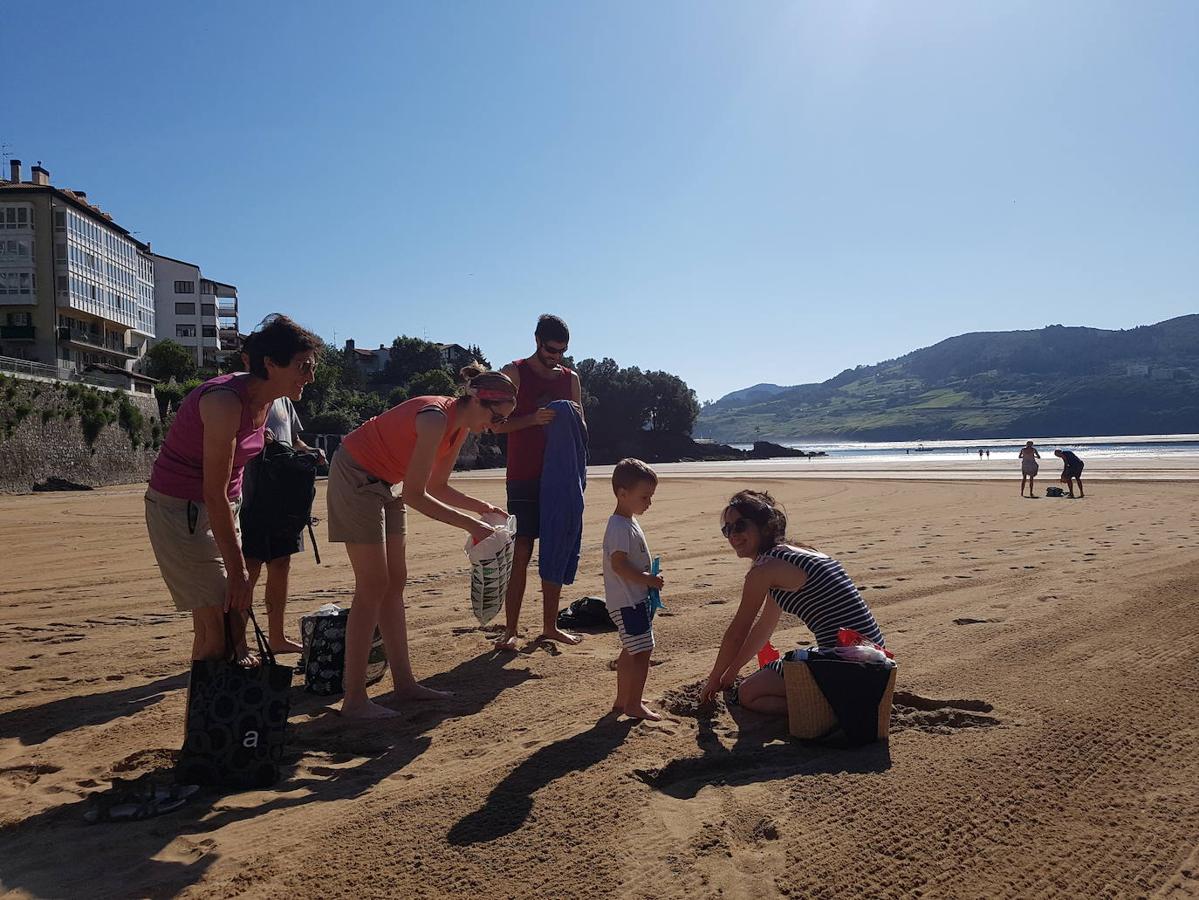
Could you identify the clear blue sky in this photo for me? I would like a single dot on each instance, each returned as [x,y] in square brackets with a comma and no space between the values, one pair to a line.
[735,192]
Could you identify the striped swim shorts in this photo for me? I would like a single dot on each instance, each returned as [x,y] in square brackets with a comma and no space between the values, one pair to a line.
[634,626]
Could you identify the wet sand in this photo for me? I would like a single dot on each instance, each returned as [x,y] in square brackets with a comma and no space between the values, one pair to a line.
[1043,741]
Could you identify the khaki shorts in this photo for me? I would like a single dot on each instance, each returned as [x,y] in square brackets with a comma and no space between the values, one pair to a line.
[187,553]
[363,509]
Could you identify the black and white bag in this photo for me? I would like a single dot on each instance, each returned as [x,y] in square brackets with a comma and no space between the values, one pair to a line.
[236,719]
[324,656]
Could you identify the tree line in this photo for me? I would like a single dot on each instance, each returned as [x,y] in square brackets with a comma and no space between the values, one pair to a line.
[622,404]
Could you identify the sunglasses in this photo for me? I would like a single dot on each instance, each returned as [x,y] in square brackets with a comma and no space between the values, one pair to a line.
[554,351]
[728,529]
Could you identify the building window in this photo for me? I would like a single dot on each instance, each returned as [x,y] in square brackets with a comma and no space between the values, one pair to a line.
[16,217]
[207,309]
[185,309]
[185,287]
[185,331]
[17,283]
[209,331]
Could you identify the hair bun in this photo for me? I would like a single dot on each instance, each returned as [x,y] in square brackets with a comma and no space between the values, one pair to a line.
[474,370]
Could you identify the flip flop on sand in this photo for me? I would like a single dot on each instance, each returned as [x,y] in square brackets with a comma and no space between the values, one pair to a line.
[141,798]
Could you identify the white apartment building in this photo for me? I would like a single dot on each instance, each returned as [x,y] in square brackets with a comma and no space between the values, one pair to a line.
[76,289]
[197,312]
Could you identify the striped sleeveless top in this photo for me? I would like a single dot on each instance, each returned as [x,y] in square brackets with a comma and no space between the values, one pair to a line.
[828,600]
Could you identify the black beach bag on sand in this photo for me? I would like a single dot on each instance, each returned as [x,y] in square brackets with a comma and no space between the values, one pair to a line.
[236,719]
[586,612]
[324,655]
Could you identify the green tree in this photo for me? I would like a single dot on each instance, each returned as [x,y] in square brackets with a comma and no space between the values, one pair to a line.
[434,382]
[673,407]
[410,357]
[168,359]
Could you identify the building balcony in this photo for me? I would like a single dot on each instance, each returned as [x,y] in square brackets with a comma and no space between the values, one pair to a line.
[18,332]
[93,341]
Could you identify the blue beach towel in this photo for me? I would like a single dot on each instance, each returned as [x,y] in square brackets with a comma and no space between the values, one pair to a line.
[563,480]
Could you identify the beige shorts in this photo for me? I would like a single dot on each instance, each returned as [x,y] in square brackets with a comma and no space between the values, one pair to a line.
[363,509]
[187,553]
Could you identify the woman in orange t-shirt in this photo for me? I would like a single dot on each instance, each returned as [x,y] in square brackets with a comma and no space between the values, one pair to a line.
[402,458]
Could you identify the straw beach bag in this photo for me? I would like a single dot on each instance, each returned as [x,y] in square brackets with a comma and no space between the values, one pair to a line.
[810,716]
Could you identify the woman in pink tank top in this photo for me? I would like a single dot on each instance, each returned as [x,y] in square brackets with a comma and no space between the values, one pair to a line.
[195,484]
[398,459]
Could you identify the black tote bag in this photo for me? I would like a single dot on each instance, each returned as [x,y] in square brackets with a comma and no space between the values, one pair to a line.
[236,720]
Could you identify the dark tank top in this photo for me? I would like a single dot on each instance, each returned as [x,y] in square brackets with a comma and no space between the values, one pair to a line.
[526,448]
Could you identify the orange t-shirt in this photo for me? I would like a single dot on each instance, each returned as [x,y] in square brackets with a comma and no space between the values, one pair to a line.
[383,445]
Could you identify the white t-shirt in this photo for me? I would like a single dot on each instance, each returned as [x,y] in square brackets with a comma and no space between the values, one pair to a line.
[283,421]
[624,534]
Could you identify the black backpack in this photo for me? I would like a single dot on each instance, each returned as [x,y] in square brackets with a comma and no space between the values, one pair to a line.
[288,478]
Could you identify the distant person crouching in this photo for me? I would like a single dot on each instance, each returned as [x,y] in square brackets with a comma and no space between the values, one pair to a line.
[1071,470]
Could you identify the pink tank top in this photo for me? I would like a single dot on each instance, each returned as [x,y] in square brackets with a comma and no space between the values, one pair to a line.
[179,469]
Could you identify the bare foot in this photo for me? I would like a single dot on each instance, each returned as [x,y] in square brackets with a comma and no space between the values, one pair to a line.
[285,645]
[641,711]
[367,710]
[506,641]
[557,634]
[417,691]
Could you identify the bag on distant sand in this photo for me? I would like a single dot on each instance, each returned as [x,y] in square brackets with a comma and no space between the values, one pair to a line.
[324,656]
[1054,492]
[491,567]
[236,719]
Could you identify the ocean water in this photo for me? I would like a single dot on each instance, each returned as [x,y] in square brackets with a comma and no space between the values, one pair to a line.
[1124,447]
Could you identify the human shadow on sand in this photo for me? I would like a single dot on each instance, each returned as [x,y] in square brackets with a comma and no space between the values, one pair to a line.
[762,751]
[55,854]
[36,724]
[511,801]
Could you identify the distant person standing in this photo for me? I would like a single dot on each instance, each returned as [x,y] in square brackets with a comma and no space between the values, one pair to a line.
[540,379]
[262,541]
[1028,467]
[1071,470]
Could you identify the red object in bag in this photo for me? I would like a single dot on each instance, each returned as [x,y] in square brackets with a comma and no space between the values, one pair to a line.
[767,655]
[847,637]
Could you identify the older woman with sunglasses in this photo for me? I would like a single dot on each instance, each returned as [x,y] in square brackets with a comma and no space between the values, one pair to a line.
[400,459]
[195,485]
[784,577]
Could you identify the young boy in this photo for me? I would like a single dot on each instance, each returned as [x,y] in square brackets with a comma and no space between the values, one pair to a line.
[627,581]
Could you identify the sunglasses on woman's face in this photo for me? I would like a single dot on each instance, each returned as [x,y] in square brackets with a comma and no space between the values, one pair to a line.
[728,529]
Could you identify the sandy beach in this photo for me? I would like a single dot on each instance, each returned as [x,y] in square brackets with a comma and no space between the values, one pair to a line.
[1043,740]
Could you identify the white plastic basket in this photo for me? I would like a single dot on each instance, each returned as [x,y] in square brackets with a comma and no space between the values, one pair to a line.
[491,567]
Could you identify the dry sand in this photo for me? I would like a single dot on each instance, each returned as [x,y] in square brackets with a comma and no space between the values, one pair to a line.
[1044,743]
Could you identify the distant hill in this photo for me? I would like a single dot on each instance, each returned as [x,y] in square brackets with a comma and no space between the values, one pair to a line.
[1055,380]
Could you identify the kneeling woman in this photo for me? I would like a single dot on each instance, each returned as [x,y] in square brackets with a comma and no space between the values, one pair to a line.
[784,577]
[402,458]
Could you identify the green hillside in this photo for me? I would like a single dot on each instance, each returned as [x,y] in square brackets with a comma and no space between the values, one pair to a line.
[1055,380]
